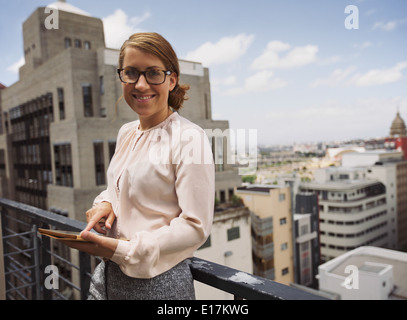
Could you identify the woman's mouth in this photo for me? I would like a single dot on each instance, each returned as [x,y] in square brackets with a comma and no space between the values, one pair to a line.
[143,98]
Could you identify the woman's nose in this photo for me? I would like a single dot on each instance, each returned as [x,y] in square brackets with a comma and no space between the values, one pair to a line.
[141,82]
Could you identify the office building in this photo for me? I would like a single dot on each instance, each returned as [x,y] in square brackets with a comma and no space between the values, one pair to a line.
[353,210]
[390,168]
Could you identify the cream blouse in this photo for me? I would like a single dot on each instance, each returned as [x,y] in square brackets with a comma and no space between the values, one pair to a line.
[161,184]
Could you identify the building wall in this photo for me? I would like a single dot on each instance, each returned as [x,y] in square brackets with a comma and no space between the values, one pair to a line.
[226,248]
[275,203]
[402,206]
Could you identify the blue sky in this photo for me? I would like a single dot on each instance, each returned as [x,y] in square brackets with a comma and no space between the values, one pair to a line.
[289,68]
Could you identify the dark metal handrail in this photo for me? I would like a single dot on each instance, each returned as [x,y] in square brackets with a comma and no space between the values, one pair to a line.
[26,264]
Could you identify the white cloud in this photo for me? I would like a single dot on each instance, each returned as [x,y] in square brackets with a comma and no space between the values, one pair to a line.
[262,81]
[16,66]
[228,81]
[227,49]
[379,76]
[119,27]
[298,56]
[364,45]
[337,77]
[388,26]
[348,77]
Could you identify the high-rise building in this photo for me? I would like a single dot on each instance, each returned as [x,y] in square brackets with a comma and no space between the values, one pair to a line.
[59,121]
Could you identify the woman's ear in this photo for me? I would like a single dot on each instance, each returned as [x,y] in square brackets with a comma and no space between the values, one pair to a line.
[173,80]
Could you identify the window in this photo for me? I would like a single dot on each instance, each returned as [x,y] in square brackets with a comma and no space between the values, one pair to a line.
[233,233]
[304,230]
[112,148]
[63,165]
[283,221]
[284,271]
[99,163]
[281,197]
[78,43]
[284,246]
[68,43]
[87,100]
[87,46]
[61,103]
[207,243]
[101,85]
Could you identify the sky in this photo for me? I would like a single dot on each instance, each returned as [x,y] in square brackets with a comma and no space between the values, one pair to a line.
[294,71]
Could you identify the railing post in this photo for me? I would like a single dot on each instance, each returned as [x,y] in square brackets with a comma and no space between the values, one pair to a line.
[37,273]
[45,261]
[84,270]
[2,266]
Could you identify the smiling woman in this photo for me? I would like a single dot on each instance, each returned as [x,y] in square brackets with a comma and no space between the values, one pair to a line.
[156,213]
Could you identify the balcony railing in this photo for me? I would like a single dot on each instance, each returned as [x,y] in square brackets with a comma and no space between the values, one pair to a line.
[30,263]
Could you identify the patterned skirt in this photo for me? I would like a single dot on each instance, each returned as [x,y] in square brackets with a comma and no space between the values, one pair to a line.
[110,283]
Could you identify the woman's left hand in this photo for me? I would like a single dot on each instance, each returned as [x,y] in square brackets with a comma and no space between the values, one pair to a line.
[97,246]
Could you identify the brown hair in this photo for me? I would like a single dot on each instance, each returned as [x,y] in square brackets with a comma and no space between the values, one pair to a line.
[155,44]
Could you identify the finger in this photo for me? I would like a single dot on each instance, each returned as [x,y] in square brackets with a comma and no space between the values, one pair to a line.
[87,235]
[92,223]
[110,220]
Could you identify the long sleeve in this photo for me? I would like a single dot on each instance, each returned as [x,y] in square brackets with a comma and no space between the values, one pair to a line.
[177,204]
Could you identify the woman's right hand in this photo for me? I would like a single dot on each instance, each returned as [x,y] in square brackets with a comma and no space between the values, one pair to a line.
[100,216]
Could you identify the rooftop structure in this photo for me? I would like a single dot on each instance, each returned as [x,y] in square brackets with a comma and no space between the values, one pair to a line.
[366,273]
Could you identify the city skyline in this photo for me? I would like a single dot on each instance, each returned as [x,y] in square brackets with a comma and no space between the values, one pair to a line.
[294,71]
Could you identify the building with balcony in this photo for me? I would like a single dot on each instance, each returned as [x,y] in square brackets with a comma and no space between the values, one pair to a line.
[272,230]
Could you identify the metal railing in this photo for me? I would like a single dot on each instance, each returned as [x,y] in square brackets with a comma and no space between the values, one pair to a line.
[28,259]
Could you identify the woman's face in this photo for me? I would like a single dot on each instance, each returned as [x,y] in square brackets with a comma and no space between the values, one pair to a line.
[150,102]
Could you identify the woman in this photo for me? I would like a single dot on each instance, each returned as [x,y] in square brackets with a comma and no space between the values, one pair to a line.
[158,205]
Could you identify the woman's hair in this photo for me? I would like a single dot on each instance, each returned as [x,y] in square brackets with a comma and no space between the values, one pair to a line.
[157,45]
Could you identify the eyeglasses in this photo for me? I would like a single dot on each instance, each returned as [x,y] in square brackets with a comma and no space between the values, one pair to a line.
[131,75]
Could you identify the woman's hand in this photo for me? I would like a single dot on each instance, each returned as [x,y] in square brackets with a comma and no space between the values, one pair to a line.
[100,216]
[99,246]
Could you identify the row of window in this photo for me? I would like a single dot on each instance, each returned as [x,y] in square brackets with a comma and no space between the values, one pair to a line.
[349,248]
[63,163]
[355,235]
[355,222]
[77,43]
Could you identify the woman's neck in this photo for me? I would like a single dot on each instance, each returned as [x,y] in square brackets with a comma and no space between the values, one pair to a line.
[150,122]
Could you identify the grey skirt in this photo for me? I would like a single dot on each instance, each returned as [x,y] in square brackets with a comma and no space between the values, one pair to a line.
[110,283]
